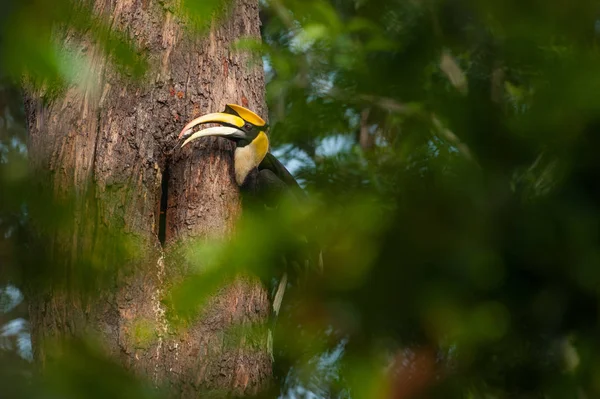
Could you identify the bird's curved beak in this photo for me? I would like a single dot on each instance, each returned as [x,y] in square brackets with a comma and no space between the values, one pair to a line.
[231,123]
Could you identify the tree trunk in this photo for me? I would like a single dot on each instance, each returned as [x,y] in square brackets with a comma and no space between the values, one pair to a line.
[106,148]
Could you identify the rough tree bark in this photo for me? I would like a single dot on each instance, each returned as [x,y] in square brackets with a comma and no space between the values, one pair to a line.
[107,146]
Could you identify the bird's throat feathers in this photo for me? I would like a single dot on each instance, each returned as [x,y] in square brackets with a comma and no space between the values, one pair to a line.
[250,156]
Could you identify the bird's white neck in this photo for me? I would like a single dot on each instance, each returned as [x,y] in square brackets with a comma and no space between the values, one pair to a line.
[249,157]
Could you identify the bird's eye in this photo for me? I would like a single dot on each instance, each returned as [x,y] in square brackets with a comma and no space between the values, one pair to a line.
[247,126]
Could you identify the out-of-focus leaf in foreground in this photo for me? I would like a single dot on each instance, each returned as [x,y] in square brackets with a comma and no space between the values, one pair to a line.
[29,33]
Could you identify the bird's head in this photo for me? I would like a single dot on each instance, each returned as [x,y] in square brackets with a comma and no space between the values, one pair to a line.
[237,123]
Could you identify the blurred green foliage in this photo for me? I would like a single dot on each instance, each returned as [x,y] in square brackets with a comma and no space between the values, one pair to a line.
[449,149]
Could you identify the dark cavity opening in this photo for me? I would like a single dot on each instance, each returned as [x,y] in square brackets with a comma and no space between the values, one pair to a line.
[164,195]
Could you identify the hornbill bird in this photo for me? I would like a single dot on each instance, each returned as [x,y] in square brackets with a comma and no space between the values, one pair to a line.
[249,132]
